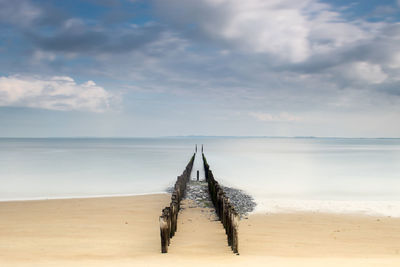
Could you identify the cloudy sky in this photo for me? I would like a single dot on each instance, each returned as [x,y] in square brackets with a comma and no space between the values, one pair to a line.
[200,67]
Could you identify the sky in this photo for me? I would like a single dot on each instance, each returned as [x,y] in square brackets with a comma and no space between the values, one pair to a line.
[120,68]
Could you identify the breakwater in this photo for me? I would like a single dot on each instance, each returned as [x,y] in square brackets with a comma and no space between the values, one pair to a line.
[169,215]
[224,209]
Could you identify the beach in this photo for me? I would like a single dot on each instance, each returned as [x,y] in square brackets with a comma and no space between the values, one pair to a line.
[200,133]
[124,231]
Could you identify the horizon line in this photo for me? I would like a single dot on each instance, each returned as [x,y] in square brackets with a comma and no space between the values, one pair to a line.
[191,136]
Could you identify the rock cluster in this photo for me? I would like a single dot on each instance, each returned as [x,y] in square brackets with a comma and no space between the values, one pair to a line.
[198,192]
[242,202]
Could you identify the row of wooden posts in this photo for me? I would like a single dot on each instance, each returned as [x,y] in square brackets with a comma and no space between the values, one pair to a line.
[225,210]
[169,216]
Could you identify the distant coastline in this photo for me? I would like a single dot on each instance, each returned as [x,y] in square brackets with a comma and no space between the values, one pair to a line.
[194,137]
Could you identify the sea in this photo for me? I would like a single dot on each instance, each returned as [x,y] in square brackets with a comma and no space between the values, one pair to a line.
[340,175]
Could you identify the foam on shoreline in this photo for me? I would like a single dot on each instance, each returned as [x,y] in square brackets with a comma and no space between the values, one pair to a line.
[80,197]
[358,207]
[277,205]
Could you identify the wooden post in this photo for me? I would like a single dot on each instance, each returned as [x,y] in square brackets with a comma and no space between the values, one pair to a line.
[235,239]
[174,215]
[164,234]
[168,217]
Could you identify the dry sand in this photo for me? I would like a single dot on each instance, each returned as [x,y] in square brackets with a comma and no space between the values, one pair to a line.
[123,231]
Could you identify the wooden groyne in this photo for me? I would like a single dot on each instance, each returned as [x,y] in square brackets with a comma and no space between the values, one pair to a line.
[225,211]
[169,216]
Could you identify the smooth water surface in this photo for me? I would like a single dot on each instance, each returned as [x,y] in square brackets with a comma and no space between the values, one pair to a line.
[57,167]
[328,174]
[318,174]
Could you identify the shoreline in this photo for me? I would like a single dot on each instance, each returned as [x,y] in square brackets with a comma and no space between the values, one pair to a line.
[374,208]
[81,197]
[275,206]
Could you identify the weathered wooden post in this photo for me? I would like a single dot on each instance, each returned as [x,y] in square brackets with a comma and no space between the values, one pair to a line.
[164,234]
[174,215]
[167,215]
[235,239]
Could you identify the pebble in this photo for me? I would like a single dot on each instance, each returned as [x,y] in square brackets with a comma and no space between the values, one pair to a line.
[198,192]
[243,202]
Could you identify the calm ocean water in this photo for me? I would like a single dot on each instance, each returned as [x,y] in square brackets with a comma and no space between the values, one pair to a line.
[283,174]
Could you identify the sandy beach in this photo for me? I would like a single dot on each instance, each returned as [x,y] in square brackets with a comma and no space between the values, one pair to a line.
[124,231]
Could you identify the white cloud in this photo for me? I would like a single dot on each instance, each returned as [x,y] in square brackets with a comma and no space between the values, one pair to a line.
[329,32]
[371,73]
[55,93]
[361,72]
[289,30]
[281,117]
[264,27]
